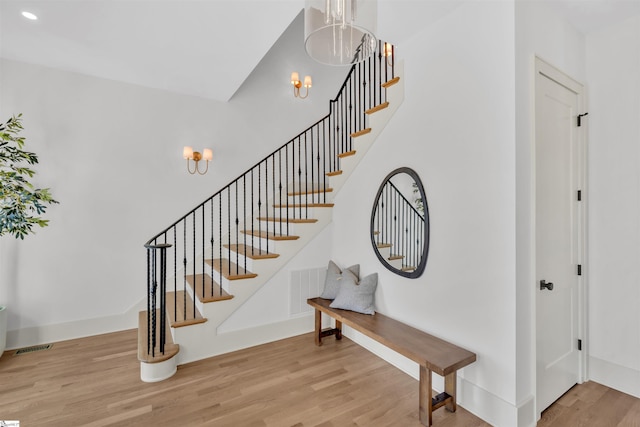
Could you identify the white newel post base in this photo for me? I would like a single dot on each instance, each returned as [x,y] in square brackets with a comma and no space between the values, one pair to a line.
[154,372]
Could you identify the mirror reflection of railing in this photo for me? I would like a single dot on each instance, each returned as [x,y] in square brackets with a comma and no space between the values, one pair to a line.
[399,230]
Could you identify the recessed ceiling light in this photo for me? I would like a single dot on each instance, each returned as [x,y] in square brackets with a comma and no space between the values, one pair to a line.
[29,15]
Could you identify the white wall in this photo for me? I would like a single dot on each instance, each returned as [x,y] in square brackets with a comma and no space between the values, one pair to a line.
[456,129]
[613,65]
[539,31]
[111,154]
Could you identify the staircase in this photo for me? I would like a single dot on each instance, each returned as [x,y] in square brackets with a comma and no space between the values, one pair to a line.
[213,259]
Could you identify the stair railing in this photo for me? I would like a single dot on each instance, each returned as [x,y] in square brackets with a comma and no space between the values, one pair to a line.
[401,225]
[244,217]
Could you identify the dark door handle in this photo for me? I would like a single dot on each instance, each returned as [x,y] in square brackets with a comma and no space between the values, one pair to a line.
[544,284]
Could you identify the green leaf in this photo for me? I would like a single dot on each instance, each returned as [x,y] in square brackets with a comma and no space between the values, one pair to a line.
[21,204]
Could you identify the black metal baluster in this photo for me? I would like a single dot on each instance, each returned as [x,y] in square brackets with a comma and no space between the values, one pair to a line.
[194,266]
[280,217]
[153,304]
[253,213]
[349,113]
[244,212]
[306,179]
[163,296]
[220,259]
[203,265]
[184,265]
[273,194]
[377,76]
[229,269]
[259,210]
[333,158]
[149,291]
[299,178]
[237,242]
[175,272]
[212,248]
[313,196]
[266,200]
[286,155]
[324,155]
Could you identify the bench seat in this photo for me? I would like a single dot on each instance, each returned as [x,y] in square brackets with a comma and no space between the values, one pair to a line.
[431,353]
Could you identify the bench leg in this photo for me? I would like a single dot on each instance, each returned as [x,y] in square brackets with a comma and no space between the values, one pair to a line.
[425,404]
[318,336]
[338,330]
[450,389]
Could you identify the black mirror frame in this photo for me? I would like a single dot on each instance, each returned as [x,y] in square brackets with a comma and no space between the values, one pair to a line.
[425,250]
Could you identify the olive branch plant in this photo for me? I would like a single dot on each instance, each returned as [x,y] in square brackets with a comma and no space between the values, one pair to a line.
[21,204]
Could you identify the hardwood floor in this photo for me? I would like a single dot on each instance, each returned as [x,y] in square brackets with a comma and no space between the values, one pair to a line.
[592,404]
[95,381]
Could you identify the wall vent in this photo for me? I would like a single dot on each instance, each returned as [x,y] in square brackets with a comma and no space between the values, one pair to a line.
[304,284]
[33,349]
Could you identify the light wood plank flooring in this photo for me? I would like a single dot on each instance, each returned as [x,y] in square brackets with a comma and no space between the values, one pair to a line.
[95,382]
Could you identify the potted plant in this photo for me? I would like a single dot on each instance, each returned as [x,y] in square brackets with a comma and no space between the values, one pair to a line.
[21,204]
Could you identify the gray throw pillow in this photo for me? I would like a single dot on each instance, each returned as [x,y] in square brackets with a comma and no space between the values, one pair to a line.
[333,278]
[356,296]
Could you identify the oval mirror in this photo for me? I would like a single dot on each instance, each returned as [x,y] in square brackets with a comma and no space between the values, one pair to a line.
[400,224]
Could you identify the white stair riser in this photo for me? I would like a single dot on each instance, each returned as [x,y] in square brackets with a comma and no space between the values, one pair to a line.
[309,198]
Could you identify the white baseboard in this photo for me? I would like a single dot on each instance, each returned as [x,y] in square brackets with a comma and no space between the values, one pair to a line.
[618,377]
[71,330]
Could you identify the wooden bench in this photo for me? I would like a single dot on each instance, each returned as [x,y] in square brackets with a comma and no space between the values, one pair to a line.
[431,353]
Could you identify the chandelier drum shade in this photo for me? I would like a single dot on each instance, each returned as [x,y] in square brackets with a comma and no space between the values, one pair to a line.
[340,32]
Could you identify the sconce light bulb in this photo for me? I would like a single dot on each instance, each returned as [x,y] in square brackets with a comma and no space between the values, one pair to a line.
[207,154]
[187,152]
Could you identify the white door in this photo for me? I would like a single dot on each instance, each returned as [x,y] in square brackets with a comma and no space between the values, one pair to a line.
[558,228]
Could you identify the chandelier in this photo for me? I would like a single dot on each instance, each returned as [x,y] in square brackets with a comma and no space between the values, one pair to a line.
[340,32]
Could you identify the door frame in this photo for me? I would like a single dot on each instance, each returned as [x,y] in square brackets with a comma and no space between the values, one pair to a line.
[543,67]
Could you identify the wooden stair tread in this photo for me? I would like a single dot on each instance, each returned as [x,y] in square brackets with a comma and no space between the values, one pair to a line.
[408,268]
[251,252]
[170,349]
[309,205]
[291,220]
[395,257]
[360,133]
[210,292]
[334,173]
[177,302]
[383,245]
[230,270]
[377,108]
[347,154]
[390,82]
[267,235]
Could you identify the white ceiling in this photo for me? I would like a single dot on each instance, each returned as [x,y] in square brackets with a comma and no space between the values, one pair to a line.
[205,48]
[202,48]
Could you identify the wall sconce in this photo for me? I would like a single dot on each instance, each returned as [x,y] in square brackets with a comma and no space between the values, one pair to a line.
[297,84]
[189,154]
